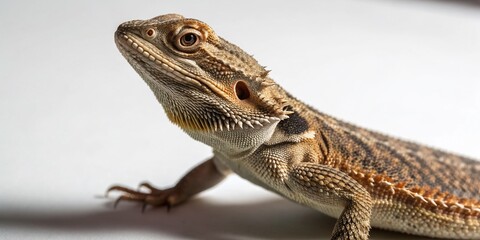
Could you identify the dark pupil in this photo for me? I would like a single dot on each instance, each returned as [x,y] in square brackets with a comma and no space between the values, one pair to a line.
[189,39]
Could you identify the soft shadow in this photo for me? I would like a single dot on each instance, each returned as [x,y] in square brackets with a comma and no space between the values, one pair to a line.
[472,3]
[199,219]
[465,3]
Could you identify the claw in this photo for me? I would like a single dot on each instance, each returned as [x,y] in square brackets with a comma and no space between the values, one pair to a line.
[108,191]
[114,188]
[168,206]
[152,189]
[123,198]
[143,185]
[154,197]
[125,190]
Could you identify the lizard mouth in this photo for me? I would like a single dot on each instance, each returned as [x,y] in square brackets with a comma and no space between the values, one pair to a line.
[133,46]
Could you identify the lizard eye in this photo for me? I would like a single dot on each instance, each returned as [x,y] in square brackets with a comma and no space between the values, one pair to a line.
[188,40]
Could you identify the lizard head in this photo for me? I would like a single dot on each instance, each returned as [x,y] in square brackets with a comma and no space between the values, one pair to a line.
[204,83]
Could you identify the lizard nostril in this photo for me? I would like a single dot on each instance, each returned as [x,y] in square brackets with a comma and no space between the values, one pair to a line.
[241,90]
[151,32]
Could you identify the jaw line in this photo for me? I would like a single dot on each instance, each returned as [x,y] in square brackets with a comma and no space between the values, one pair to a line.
[131,44]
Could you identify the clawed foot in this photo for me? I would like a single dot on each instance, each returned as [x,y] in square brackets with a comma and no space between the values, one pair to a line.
[155,197]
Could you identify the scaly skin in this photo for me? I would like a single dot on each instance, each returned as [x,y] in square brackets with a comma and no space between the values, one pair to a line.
[222,97]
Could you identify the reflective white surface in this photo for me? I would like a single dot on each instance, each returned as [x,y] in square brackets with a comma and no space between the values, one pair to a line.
[75,118]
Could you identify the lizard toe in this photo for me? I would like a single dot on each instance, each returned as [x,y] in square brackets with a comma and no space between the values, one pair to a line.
[156,197]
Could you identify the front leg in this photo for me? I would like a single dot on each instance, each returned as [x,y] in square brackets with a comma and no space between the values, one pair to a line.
[322,185]
[200,178]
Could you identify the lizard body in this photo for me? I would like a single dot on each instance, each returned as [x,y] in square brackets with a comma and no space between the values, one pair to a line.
[221,96]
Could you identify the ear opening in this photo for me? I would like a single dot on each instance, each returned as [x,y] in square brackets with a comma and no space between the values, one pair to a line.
[242,91]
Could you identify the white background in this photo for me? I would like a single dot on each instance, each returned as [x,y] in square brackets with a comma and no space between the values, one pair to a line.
[75,118]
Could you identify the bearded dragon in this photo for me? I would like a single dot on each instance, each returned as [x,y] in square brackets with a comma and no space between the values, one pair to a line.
[221,96]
